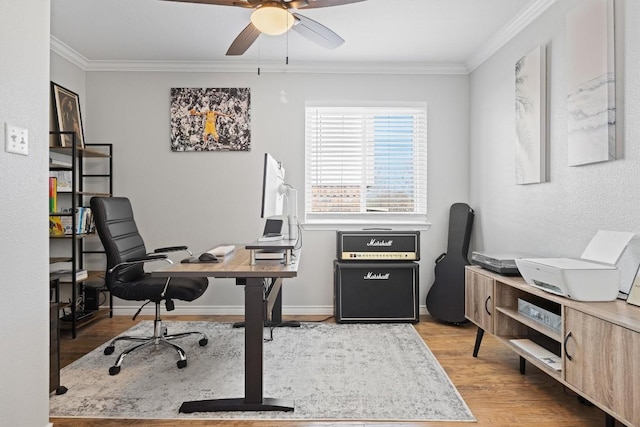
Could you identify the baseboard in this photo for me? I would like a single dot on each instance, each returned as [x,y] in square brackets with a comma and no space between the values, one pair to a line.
[229,310]
[226,310]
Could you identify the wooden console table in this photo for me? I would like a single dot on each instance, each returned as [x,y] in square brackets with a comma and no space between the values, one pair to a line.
[598,342]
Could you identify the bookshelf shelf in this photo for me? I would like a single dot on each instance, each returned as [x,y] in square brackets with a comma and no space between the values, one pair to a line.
[70,207]
[93,193]
[74,236]
[86,151]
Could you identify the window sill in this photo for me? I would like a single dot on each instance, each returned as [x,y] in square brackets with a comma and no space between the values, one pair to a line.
[344,225]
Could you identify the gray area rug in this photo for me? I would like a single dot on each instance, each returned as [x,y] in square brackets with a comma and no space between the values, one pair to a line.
[377,372]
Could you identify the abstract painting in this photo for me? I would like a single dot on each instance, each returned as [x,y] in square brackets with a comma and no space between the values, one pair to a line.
[530,155]
[208,119]
[591,100]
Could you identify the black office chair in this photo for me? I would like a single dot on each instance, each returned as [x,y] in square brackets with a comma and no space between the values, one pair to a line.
[126,278]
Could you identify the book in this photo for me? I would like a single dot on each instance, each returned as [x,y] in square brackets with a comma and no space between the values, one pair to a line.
[84,221]
[80,218]
[64,180]
[53,194]
[55,226]
[58,163]
[88,225]
[65,275]
[67,222]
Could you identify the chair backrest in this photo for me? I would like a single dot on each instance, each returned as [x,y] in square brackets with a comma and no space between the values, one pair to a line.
[119,235]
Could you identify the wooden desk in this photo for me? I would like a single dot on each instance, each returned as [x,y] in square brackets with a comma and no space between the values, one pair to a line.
[237,265]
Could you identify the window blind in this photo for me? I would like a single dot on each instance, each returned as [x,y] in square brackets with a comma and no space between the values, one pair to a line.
[366,164]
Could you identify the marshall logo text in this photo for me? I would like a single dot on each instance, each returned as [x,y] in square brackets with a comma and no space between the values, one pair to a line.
[377,276]
[374,242]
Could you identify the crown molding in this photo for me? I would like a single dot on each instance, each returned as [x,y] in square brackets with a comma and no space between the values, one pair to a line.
[276,67]
[253,67]
[508,32]
[67,53]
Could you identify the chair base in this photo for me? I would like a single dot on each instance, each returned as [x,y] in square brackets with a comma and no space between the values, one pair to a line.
[159,337]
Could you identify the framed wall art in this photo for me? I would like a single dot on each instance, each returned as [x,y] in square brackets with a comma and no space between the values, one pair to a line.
[531,114]
[210,119]
[591,81]
[67,116]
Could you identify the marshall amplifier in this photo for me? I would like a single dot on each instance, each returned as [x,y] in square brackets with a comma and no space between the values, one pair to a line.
[375,292]
[378,245]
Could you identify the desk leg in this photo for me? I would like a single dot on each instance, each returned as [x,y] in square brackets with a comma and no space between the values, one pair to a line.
[276,313]
[253,341]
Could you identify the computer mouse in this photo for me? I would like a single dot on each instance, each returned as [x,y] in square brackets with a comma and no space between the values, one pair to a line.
[206,256]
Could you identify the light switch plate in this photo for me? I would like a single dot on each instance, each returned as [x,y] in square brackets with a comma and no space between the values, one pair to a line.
[16,140]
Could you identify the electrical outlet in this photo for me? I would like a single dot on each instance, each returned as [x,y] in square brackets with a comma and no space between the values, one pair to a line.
[16,140]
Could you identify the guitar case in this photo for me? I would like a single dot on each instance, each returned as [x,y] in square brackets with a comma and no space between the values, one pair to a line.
[445,300]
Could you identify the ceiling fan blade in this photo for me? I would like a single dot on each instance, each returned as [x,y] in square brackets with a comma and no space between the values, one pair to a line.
[316,32]
[314,4]
[244,40]
[238,3]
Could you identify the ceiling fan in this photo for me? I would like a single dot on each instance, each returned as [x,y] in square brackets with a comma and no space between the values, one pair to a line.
[273,17]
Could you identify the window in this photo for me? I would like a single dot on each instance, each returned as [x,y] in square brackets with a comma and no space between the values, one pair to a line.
[366,164]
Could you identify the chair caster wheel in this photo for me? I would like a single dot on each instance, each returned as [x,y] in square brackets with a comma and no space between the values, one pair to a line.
[203,342]
[109,350]
[182,364]
[114,370]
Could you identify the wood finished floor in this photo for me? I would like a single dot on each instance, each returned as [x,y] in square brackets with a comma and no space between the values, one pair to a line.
[490,384]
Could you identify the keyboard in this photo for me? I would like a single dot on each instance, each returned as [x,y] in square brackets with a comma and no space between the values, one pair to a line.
[221,251]
[551,359]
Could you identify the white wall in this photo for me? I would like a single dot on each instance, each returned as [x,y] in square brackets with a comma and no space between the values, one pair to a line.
[203,199]
[24,91]
[559,217]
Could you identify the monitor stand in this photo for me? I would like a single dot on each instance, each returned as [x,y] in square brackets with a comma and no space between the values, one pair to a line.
[276,317]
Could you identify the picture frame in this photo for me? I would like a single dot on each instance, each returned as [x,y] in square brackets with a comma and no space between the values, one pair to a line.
[210,119]
[67,115]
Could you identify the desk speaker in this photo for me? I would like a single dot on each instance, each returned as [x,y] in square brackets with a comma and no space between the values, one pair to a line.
[376,292]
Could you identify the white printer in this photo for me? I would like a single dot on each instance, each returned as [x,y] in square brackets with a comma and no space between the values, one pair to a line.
[593,277]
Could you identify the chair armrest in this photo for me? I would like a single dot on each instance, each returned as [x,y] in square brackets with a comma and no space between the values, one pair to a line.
[173,249]
[170,249]
[146,258]
[140,260]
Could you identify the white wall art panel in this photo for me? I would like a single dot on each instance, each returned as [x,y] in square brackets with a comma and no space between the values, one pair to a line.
[530,108]
[591,99]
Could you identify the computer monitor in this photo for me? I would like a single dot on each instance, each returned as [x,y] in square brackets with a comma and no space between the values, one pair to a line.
[273,188]
[274,192]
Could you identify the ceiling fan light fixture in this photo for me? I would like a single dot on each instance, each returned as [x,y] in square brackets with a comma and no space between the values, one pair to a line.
[272,19]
